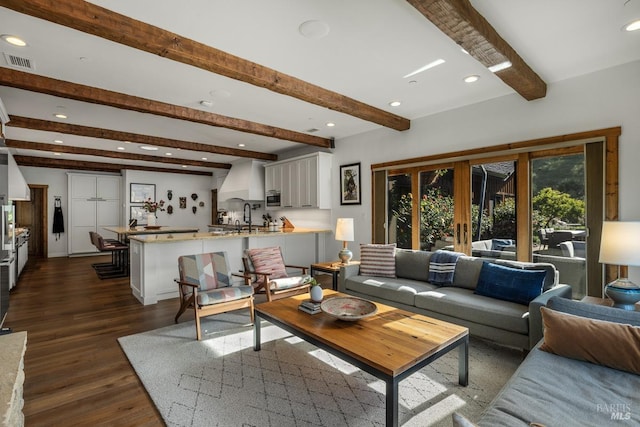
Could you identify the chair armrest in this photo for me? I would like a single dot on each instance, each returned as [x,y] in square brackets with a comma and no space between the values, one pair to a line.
[180,282]
[304,269]
[535,317]
[246,276]
[347,271]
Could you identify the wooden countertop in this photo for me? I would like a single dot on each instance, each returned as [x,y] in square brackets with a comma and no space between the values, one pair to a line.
[168,238]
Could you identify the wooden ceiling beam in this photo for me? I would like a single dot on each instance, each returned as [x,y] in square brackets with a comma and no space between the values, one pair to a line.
[45,162]
[57,148]
[92,19]
[94,95]
[92,132]
[471,31]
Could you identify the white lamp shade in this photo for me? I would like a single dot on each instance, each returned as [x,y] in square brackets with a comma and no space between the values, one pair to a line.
[620,244]
[344,229]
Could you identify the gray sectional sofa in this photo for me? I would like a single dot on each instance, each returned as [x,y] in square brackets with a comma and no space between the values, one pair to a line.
[506,322]
[554,390]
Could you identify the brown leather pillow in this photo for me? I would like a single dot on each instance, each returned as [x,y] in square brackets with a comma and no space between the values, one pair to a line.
[616,345]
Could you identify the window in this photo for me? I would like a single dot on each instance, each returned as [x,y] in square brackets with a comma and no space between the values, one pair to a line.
[495,206]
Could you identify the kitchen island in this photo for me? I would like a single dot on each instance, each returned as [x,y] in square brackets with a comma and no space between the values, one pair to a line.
[154,257]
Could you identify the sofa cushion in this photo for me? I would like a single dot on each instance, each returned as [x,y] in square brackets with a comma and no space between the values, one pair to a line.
[500,244]
[597,341]
[467,272]
[412,264]
[402,291]
[510,284]
[464,304]
[556,391]
[550,279]
[378,260]
[594,311]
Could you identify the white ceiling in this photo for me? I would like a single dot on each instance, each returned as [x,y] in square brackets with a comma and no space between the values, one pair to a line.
[370,46]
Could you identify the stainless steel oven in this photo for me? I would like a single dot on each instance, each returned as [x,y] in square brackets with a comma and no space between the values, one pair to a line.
[273,199]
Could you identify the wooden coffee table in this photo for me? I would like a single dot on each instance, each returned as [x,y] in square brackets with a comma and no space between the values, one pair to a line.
[391,345]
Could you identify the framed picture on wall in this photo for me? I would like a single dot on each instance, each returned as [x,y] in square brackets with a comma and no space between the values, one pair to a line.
[350,191]
[142,192]
[138,213]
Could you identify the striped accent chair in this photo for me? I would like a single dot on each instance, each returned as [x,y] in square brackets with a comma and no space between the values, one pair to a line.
[206,285]
[269,274]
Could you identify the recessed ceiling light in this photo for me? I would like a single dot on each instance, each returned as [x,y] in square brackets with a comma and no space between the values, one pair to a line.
[314,29]
[241,145]
[121,148]
[330,124]
[58,141]
[220,93]
[464,50]
[395,103]
[425,68]
[206,103]
[499,67]
[168,154]
[471,79]
[204,158]
[148,148]
[632,26]
[57,154]
[60,116]
[127,142]
[14,40]
[184,166]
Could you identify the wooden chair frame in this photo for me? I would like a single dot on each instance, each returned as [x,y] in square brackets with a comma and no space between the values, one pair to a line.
[190,301]
[261,284]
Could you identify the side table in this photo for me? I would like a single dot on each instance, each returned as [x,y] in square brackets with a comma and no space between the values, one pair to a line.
[332,268]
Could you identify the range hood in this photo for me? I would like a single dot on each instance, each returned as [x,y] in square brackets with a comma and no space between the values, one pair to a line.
[245,181]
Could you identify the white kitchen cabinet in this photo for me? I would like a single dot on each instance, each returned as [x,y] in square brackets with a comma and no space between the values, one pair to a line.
[305,181]
[94,204]
[273,179]
[23,256]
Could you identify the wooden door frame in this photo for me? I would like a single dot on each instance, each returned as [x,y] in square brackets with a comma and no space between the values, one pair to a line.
[44,217]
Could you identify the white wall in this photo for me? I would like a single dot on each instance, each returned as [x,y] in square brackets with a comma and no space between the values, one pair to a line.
[181,184]
[603,99]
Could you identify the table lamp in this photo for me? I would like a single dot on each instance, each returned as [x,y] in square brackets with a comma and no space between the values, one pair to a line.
[344,232]
[620,245]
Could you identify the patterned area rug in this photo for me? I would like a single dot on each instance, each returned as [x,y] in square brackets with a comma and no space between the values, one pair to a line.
[221,381]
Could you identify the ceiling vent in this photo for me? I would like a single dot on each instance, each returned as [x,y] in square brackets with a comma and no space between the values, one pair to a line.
[312,130]
[19,62]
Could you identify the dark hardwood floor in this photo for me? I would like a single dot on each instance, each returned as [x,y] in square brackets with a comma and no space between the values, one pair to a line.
[76,372]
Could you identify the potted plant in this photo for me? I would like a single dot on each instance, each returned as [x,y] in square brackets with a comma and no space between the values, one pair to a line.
[315,291]
[151,208]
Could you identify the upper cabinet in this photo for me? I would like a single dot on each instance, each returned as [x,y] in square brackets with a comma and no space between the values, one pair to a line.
[302,182]
[18,187]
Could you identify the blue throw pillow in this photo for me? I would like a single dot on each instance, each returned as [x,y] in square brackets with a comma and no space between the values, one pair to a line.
[510,284]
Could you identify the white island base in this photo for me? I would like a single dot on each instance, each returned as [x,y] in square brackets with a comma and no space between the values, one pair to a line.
[154,258]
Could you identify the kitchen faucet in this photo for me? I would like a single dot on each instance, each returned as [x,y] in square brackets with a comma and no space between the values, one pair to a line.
[246,215]
[238,228]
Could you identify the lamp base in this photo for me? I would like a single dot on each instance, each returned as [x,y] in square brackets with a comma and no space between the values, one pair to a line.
[345,255]
[624,293]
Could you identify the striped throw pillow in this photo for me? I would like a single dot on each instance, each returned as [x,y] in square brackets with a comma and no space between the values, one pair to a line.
[378,260]
[268,260]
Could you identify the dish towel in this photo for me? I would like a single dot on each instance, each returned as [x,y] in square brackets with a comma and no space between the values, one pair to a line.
[442,267]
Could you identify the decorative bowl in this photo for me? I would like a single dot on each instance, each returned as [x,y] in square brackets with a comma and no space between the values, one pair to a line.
[348,308]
